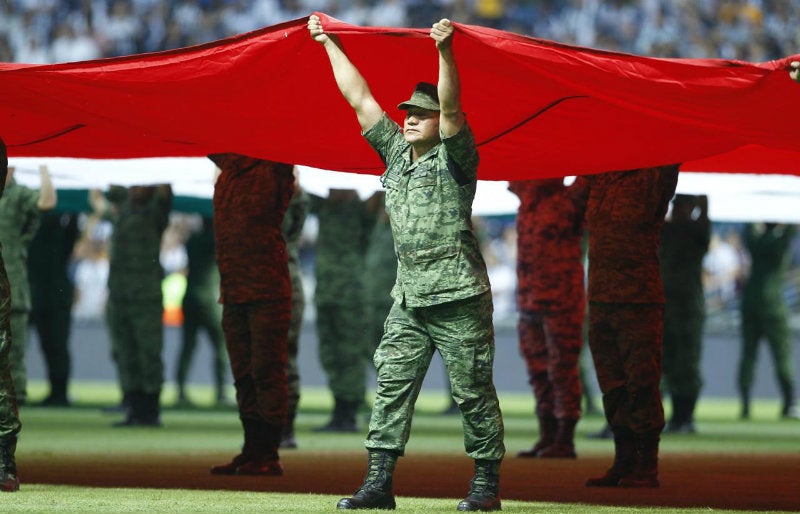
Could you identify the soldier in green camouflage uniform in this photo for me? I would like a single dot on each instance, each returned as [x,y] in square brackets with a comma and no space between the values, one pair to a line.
[684,243]
[292,229]
[764,311]
[202,311]
[624,214]
[20,208]
[9,417]
[442,298]
[134,311]
[344,227]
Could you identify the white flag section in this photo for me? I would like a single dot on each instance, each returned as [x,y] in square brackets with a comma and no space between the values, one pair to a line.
[732,197]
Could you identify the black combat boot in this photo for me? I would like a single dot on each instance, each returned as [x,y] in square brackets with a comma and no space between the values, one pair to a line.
[9,481]
[336,418]
[563,446]
[288,441]
[624,456]
[682,420]
[548,426]
[789,410]
[484,488]
[376,491]
[251,429]
[645,465]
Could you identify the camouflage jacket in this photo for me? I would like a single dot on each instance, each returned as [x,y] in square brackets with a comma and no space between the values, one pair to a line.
[19,220]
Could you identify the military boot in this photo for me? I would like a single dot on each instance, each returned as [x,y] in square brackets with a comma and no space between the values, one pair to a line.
[789,409]
[288,439]
[563,446]
[484,488]
[336,418]
[624,456]
[645,465]
[548,426]
[251,429]
[264,459]
[376,491]
[9,481]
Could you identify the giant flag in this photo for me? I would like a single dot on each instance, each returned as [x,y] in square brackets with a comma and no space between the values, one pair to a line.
[538,108]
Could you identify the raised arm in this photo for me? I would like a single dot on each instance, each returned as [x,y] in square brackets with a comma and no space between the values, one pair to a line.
[351,83]
[451,117]
[47,192]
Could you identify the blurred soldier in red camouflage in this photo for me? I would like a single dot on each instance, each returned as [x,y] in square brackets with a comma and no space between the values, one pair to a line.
[551,302]
[251,197]
[624,215]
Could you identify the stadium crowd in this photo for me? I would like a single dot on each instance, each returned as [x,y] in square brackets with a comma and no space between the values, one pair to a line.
[49,31]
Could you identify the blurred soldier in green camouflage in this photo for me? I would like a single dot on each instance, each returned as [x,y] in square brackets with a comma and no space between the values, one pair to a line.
[624,215]
[292,229]
[764,311]
[344,227]
[442,298]
[9,417]
[20,209]
[551,302]
[381,269]
[135,308]
[684,243]
[201,310]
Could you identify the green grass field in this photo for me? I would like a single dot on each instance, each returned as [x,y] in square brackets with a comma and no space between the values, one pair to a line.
[51,437]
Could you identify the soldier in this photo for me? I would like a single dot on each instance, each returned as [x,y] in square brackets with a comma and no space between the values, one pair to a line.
[684,243]
[551,301]
[52,291]
[9,417]
[344,227]
[292,229]
[442,298]
[202,311]
[135,308]
[381,267]
[250,200]
[20,210]
[764,311]
[624,214]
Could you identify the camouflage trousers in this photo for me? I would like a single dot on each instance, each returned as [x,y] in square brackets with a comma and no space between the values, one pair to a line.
[256,336]
[137,342]
[207,316]
[550,343]
[293,345]
[683,344]
[344,350]
[19,344]
[463,333]
[773,325]
[9,417]
[625,340]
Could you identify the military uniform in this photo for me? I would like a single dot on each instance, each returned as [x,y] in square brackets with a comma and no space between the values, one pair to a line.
[624,215]
[764,312]
[201,309]
[292,229]
[9,416]
[251,197]
[442,298]
[551,301]
[684,243]
[135,308]
[19,220]
[52,291]
[381,268]
[344,227]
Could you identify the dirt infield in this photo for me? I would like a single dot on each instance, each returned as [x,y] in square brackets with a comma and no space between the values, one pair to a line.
[729,481]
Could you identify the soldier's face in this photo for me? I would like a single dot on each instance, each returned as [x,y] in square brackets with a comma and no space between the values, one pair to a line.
[421,126]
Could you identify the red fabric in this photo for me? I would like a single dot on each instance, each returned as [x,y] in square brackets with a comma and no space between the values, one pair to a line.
[537,108]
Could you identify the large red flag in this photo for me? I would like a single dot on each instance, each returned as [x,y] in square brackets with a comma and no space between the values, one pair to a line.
[537,107]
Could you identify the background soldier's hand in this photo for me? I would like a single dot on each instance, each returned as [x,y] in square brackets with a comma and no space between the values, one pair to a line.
[315,29]
[442,32]
[795,71]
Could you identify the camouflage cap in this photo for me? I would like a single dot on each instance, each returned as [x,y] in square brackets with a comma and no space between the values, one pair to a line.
[425,96]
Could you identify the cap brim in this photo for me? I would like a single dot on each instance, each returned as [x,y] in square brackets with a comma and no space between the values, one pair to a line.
[408,105]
